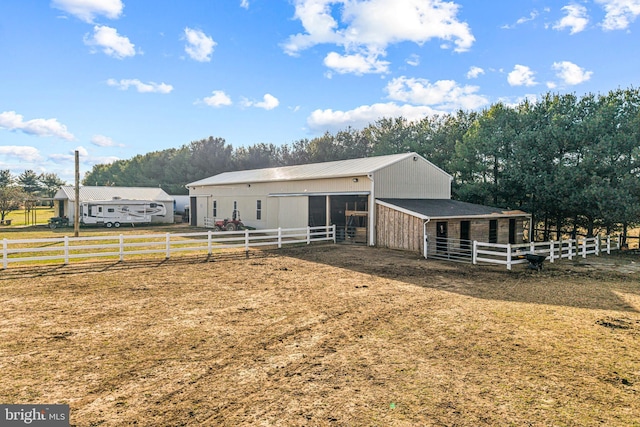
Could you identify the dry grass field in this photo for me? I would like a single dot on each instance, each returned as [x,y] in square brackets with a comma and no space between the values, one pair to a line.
[327,335]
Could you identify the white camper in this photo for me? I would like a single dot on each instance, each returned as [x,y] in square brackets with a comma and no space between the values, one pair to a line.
[113,213]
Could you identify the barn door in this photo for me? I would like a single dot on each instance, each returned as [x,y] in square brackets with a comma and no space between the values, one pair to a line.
[193,205]
[317,211]
[465,235]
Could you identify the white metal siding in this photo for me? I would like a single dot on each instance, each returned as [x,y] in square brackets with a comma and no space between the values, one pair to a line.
[293,212]
[409,179]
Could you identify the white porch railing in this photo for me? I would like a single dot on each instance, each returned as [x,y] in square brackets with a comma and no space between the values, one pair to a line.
[119,246]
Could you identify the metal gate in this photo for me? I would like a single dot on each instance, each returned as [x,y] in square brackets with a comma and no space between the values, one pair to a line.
[458,250]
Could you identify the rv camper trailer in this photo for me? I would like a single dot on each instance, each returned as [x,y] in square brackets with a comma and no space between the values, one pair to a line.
[113,213]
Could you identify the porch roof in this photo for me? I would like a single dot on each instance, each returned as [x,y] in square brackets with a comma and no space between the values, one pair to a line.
[446,208]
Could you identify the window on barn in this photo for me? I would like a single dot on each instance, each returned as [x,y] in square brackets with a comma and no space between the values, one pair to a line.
[258,209]
[215,208]
[110,210]
[493,231]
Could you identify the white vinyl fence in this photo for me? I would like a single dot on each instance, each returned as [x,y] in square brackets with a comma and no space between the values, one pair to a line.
[511,254]
[119,246]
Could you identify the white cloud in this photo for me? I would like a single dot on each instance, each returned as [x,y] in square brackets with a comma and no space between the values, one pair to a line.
[413,60]
[357,64]
[570,73]
[112,43]
[104,141]
[443,94]
[330,120]
[141,87]
[22,153]
[81,151]
[619,13]
[533,15]
[244,4]
[521,76]
[199,45]
[85,157]
[513,103]
[217,99]
[474,72]
[269,102]
[576,19]
[87,10]
[41,127]
[365,28]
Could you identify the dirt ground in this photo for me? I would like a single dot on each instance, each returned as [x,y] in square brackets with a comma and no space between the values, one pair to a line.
[327,335]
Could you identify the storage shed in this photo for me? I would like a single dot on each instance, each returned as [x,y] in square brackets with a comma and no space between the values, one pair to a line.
[352,194]
[449,225]
[64,200]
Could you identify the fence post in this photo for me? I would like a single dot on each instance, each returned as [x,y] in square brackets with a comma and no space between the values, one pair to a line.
[209,243]
[333,227]
[474,254]
[532,247]
[598,245]
[552,250]
[168,242]
[66,250]
[121,247]
[618,243]
[560,248]
[608,244]
[509,255]
[279,237]
[308,235]
[571,241]
[5,253]
[246,242]
[584,248]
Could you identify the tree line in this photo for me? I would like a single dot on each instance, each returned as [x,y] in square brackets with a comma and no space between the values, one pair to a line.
[572,162]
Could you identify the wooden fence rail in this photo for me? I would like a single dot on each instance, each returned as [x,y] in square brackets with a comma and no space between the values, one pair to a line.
[119,246]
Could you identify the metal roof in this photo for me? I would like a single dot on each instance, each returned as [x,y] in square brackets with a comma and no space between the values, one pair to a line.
[109,193]
[337,169]
[446,208]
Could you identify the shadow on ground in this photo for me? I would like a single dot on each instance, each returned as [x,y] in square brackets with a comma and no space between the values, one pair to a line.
[576,283]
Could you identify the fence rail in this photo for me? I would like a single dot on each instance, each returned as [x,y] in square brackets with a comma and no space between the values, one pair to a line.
[512,254]
[119,246]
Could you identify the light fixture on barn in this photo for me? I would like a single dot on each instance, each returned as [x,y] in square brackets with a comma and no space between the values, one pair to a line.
[355,179]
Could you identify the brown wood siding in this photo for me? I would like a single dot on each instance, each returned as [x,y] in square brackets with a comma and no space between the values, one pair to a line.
[397,230]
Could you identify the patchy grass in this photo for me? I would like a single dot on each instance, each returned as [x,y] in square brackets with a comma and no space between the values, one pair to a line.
[326,335]
[19,218]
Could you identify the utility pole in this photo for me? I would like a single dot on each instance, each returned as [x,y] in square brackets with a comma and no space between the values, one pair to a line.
[76,217]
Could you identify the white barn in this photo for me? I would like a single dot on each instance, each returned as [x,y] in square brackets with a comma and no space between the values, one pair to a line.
[64,200]
[351,194]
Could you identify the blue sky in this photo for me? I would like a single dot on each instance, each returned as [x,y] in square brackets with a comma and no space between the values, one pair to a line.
[116,78]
